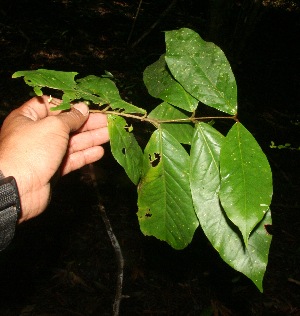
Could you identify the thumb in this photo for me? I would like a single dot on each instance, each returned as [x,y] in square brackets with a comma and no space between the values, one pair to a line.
[75,118]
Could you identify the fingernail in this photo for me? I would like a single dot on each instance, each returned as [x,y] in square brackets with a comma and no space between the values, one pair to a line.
[82,107]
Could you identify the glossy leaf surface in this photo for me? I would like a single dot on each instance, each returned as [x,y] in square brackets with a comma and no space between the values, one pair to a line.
[164,199]
[161,84]
[223,235]
[204,170]
[246,180]
[202,69]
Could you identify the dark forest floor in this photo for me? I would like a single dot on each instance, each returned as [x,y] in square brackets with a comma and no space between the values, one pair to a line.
[62,262]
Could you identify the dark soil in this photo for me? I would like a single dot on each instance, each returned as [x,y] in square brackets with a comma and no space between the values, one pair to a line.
[62,263]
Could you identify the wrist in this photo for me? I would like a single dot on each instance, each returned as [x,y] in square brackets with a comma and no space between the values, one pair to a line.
[34,195]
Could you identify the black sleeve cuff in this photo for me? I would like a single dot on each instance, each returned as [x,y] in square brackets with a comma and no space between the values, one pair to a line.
[9,209]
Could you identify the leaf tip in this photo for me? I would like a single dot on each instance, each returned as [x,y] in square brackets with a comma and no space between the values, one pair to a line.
[16,75]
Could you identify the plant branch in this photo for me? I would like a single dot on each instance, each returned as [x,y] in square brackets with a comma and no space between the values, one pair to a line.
[134,21]
[115,244]
[157,121]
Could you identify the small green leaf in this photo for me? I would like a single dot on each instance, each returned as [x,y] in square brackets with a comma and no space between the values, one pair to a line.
[164,198]
[106,90]
[182,131]
[161,84]
[202,69]
[91,88]
[246,180]
[40,78]
[273,145]
[52,79]
[125,148]
[108,74]
[38,91]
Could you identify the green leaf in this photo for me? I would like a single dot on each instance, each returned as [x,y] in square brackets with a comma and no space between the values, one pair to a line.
[59,80]
[223,235]
[91,88]
[38,91]
[246,180]
[202,69]
[204,170]
[161,84]
[125,148]
[205,178]
[48,78]
[108,93]
[164,198]
[228,241]
[182,131]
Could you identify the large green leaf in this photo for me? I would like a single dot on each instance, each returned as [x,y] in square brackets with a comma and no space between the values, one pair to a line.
[246,180]
[164,198]
[202,69]
[125,148]
[223,235]
[161,84]
[182,131]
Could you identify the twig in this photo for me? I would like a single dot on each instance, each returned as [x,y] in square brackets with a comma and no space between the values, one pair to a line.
[157,121]
[154,24]
[114,242]
[134,21]
[27,41]
[294,281]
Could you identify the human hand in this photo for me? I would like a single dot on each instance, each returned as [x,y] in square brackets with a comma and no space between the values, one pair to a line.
[36,144]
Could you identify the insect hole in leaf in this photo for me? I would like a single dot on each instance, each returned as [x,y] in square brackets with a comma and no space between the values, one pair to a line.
[155,160]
